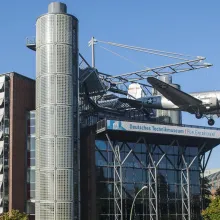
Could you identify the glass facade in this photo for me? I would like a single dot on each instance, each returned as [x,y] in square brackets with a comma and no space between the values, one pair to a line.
[4,143]
[135,176]
[30,185]
[214,180]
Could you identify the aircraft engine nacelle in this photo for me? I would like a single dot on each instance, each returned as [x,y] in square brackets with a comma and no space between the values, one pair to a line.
[211,102]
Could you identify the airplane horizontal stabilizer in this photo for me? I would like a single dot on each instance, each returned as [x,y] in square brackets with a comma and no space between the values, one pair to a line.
[176,96]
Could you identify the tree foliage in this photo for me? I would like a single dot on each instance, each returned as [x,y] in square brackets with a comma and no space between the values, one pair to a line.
[213,211]
[206,193]
[217,193]
[13,215]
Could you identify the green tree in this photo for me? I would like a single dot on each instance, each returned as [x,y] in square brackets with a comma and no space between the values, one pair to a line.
[206,193]
[217,193]
[213,211]
[13,215]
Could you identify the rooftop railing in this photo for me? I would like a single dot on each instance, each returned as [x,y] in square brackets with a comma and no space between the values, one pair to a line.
[31,43]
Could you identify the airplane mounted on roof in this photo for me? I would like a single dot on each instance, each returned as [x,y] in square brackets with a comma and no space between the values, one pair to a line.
[201,104]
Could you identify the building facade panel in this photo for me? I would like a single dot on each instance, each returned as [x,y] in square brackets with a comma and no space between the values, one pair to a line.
[22,99]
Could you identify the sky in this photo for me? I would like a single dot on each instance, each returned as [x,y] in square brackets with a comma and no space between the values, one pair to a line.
[187,27]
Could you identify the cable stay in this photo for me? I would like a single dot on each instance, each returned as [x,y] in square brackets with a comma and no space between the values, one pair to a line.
[150,51]
[123,57]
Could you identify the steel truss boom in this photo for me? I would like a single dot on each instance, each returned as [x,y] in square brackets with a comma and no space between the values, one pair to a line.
[120,83]
[140,75]
[188,63]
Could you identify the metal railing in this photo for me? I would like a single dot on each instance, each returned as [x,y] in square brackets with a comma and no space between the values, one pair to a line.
[30,40]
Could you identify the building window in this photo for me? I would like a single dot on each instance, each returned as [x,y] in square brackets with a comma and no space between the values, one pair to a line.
[30,184]
[30,208]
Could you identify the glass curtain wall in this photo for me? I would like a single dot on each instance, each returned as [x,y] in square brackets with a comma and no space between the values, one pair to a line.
[30,185]
[135,176]
[214,180]
[4,142]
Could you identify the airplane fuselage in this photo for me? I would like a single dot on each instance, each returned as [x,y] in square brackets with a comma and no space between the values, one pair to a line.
[210,102]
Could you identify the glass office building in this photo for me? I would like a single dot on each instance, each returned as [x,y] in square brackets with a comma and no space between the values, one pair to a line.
[214,181]
[117,164]
[135,176]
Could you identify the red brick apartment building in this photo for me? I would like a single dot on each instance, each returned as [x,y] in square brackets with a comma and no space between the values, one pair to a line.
[17,98]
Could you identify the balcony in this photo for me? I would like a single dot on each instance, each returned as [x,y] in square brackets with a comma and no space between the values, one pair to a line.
[31,43]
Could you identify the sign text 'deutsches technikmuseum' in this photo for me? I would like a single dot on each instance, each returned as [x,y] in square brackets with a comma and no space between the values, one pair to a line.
[163,129]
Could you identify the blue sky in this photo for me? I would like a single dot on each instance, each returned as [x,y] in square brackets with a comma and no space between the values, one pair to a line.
[188,27]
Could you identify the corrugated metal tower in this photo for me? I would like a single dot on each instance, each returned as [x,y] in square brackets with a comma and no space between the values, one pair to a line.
[168,116]
[56,113]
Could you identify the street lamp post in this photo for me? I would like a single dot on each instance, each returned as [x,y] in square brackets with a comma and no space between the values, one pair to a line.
[144,187]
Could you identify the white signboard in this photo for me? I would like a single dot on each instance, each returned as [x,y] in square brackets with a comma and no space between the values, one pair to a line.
[163,129]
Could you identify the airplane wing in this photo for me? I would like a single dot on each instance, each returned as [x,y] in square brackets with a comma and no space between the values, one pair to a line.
[179,98]
[135,104]
[131,102]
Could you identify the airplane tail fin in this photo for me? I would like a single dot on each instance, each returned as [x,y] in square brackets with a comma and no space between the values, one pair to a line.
[135,91]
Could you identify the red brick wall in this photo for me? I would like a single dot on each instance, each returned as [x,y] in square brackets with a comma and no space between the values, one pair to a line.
[22,99]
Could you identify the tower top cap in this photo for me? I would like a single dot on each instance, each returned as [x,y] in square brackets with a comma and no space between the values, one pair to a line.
[57,7]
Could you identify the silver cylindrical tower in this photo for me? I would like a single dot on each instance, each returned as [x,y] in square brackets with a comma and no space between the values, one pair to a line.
[176,116]
[56,70]
[168,116]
